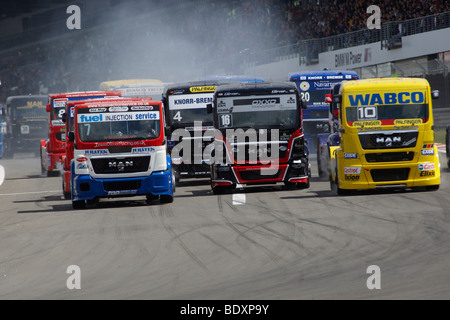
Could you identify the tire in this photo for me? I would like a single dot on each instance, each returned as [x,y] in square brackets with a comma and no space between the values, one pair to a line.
[66,194]
[339,191]
[165,198]
[8,153]
[151,197]
[52,173]
[79,204]
[43,169]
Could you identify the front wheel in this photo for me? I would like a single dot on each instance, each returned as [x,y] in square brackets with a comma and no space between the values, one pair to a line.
[79,204]
[165,198]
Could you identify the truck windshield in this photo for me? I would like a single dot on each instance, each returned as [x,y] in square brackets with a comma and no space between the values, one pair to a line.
[28,108]
[387,113]
[117,126]
[258,112]
[187,108]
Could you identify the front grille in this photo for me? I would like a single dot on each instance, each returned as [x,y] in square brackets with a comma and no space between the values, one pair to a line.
[389,156]
[120,165]
[121,185]
[388,139]
[256,175]
[247,152]
[382,175]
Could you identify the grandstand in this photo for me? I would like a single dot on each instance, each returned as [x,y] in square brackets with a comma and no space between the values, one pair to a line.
[183,40]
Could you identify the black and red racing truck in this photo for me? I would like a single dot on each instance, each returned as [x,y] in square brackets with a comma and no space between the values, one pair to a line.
[188,125]
[119,150]
[25,123]
[259,137]
[53,147]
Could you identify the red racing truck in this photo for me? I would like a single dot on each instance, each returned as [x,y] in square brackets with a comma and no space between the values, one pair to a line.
[259,137]
[53,148]
[119,150]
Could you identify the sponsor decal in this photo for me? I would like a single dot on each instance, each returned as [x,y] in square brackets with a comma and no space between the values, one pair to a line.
[430,173]
[118,109]
[387,98]
[143,150]
[141,108]
[351,177]
[352,170]
[121,192]
[408,121]
[202,89]
[107,117]
[426,166]
[428,152]
[304,86]
[367,123]
[59,103]
[428,146]
[97,110]
[350,156]
[96,152]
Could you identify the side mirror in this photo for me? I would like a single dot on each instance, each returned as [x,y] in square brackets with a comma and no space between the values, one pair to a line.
[337,98]
[328,98]
[48,108]
[209,108]
[435,94]
[71,136]
[303,103]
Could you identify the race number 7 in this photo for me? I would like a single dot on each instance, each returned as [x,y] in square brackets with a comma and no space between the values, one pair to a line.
[367,113]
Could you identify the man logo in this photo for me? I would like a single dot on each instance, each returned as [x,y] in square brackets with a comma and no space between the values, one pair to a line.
[120,165]
[388,141]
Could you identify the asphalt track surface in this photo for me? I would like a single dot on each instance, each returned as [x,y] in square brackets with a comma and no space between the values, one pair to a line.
[254,243]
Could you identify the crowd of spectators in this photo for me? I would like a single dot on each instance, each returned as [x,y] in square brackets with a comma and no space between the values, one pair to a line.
[196,33]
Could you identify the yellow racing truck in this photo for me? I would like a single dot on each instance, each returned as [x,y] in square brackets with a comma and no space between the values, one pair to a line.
[385,136]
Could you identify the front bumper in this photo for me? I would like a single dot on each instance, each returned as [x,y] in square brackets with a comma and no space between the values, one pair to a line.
[86,188]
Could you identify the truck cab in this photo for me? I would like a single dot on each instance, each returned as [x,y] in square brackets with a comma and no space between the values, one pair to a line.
[259,136]
[53,147]
[25,124]
[119,150]
[386,136]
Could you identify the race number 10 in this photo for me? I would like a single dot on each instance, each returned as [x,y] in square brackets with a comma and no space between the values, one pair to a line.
[365,113]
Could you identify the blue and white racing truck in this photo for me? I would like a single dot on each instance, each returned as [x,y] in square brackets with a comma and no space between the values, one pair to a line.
[119,151]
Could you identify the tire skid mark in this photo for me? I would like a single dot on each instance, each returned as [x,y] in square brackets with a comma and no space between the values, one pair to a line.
[272,256]
[165,212]
[221,246]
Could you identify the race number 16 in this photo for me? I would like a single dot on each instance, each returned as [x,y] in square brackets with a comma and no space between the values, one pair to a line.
[226,120]
[367,113]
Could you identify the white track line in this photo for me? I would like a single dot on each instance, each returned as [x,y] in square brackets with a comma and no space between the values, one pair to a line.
[31,192]
[2,174]
[238,198]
